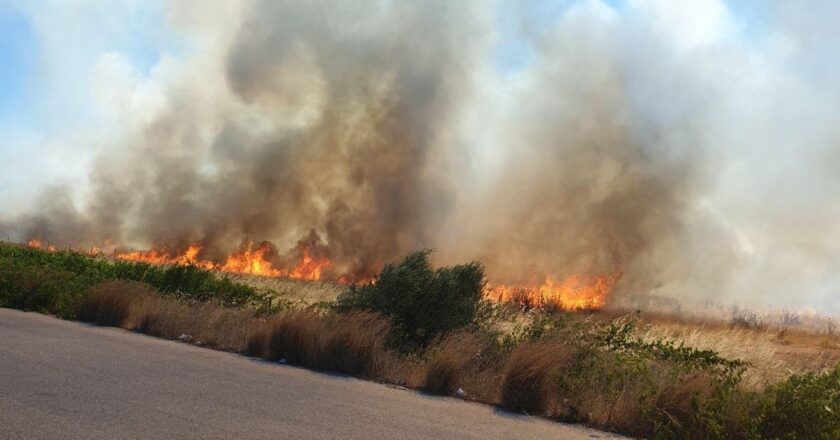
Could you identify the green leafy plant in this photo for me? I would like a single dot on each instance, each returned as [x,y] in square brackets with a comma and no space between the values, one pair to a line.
[421,302]
[805,406]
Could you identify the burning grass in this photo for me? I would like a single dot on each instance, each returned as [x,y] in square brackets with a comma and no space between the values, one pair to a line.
[308,260]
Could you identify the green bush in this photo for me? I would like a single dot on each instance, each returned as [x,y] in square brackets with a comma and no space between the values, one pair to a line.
[805,406]
[421,302]
[42,289]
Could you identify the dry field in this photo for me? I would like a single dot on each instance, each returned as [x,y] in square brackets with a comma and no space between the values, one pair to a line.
[775,343]
[305,292]
[649,368]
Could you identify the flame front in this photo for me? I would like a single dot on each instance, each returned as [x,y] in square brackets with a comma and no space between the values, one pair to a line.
[252,258]
[154,256]
[577,292]
[309,260]
[309,267]
[38,244]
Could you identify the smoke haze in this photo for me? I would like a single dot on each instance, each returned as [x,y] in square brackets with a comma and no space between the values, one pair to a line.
[692,151]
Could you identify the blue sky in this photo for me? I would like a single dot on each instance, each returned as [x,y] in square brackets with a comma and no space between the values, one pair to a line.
[25,77]
[34,91]
[17,50]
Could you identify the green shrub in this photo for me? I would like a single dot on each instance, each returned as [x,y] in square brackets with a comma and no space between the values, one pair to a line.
[805,406]
[421,302]
[42,289]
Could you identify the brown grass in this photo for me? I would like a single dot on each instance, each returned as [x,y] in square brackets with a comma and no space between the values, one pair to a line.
[296,337]
[528,378]
[206,324]
[674,400]
[258,332]
[135,306]
[110,303]
[771,358]
[306,292]
[354,343]
[558,376]
[449,361]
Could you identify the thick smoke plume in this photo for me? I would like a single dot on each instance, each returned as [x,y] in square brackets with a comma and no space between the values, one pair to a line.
[332,118]
[373,128]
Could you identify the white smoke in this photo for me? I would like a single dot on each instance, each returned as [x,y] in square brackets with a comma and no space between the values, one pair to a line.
[690,144]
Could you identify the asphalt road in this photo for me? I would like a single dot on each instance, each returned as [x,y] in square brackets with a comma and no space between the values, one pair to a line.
[67,380]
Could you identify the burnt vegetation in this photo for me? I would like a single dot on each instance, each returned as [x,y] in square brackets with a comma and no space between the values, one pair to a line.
[427,329]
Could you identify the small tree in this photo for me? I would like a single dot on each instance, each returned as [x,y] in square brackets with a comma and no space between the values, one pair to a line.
[421,302]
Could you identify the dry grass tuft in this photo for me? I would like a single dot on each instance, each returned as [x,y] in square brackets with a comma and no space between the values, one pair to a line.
[527,382]
[308,292]
[256,341]
[354,343]
[296,336]
[111,303]
[675,400]
[449,360]
[209,324]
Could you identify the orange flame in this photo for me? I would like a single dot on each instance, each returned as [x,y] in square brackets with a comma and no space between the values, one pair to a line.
[309,260]
[577,292]
[154,256]
[252,258]
[38,244]
[309,267]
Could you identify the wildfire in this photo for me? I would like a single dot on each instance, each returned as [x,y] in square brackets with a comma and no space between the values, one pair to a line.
[164,256]
[310,267]
[38,244]
[309,260]
[252,258]
[577,292]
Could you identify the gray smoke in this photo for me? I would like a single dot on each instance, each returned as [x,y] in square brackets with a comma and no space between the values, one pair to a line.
[662,142]
[353,109]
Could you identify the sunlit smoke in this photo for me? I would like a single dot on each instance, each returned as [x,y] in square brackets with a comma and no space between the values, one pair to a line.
[641,148]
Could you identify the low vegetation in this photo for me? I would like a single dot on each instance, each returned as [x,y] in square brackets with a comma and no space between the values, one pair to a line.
[59,282]
[443,339]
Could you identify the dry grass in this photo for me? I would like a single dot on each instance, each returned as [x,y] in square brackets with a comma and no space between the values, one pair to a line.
[774,342]
[112,302]
[206,324]
[296,337]
[354,343]
[258,333]
[675,398]
[557,376]
[449,361]
[308,292]
[772,354]
[134,306]
[528,378]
